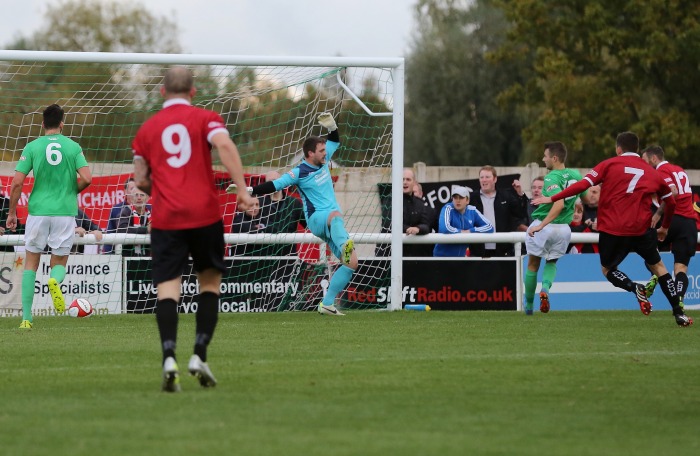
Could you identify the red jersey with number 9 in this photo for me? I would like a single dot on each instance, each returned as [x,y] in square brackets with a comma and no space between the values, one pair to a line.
[175,143]
[675,175]
[627,184]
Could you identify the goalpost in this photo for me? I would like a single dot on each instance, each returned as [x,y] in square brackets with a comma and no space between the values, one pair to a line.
[270,105]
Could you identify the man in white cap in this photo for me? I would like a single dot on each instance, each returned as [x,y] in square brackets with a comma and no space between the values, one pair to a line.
[459,217]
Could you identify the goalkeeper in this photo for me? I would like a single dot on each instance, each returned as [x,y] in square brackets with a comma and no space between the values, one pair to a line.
[322,212]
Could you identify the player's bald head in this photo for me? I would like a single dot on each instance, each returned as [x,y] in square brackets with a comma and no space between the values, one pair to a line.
[178,80]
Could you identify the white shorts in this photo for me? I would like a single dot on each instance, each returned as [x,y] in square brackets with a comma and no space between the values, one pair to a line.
[551,242]
[55,231]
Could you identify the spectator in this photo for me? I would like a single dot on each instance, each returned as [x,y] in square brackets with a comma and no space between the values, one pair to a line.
[590,208]
[416,220]
[432,215]
[589,222]
[4,211]
[85,226]
[577,226]
[502,208]
[280,213]
[248,221]
[135,218]
[535,192]
[129,188]
[458,217]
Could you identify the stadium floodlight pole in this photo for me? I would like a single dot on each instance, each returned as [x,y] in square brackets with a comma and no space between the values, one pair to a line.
[397,190]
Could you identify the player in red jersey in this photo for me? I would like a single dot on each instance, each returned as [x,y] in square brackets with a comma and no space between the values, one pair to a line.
[624,219]
[682,235]
[172,158]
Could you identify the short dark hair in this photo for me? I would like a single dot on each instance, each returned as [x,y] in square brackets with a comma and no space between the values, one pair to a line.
[628,142]
[126,184]
[656,151]
[310,144]
[53,116]
[557,149]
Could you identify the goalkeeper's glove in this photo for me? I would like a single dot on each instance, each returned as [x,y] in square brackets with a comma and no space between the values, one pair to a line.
[233,188]
[326,119]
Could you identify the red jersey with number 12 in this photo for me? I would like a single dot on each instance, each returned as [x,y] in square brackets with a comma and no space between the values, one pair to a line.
[676,176]
[175,143]
[627,184]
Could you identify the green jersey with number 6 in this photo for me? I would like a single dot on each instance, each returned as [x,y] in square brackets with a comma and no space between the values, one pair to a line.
[554,182]
[55,160]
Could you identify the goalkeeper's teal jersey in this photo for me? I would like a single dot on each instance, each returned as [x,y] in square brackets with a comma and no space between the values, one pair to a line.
[55,160]
[315,184]
[554,182]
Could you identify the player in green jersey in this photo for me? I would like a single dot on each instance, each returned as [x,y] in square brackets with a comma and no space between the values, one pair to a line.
[53,205]
[549,233]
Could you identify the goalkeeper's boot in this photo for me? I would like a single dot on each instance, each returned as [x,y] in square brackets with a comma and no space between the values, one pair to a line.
[57,296]
[201,371]
[528,308]
[651,285]
[329,310]
[644,304]
[544,301]
[26,324]
[347,249]
[171,376]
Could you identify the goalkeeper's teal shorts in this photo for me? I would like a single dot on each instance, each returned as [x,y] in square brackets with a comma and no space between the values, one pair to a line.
[318,224]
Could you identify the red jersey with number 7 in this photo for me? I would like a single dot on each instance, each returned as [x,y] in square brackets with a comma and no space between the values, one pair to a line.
[176,145]
[676,176]
[627,184]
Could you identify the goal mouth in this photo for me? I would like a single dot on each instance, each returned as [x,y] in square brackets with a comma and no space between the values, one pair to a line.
[270,106]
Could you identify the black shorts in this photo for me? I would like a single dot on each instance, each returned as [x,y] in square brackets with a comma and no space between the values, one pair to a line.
[614,249]
[172,248]
[682,239]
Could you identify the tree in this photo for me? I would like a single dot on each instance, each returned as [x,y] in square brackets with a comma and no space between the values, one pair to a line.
[87,25]
[452,111]
[102,26]
[599,68]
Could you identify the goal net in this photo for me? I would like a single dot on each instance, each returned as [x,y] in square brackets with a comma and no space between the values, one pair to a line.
[273,263]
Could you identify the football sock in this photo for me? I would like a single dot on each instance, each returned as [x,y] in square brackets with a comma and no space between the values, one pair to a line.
[669,288]
[28,278]
[166,317]
[338,233]
[548,274]
[340,278]
[530,286]
[207,317]
[620,280]
[681,283]
[58,272]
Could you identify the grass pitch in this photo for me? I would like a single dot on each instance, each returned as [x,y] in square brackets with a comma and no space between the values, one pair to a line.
[436,383]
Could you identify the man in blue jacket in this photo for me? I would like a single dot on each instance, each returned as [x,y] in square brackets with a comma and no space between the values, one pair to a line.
[459,217]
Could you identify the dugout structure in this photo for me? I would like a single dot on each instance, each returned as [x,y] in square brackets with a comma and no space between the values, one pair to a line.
[270,106]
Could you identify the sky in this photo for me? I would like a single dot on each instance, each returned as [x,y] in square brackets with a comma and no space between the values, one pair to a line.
[356,28]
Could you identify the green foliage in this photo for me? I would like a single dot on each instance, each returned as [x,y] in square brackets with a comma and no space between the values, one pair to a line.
[452,112]
[442,383]
[599,68]
[102,26]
